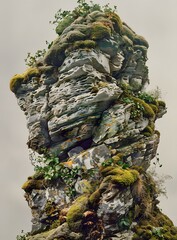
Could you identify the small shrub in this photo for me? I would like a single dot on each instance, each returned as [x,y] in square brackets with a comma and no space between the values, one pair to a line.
[31,60]
[23,236]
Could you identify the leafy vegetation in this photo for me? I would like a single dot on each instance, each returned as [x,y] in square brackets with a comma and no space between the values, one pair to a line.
[31,60]
[82,9]
[23,236]
[52,169]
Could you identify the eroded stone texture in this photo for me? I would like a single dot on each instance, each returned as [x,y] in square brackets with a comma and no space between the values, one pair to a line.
[82,103]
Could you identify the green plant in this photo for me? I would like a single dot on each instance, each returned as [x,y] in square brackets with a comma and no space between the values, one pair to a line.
[146,97]
[52,168]
[109,162]
[124,224]
[82,9]
[137,110]
[157,231]
[23,236]
[31,60]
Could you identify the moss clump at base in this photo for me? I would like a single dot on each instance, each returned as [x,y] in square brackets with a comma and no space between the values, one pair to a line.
[75,213]
[18,79]
[158,226]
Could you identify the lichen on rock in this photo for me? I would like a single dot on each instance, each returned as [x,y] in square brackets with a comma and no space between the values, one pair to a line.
[92,126]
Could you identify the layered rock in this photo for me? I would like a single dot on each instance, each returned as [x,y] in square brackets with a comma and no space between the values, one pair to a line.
[93,126]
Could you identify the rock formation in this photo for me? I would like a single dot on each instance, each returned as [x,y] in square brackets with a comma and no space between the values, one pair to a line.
[92,131]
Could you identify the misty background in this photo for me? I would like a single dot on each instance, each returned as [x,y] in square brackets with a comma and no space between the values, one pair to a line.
[24,27]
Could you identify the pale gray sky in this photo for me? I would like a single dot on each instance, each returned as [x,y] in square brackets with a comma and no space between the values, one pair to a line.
[24,26]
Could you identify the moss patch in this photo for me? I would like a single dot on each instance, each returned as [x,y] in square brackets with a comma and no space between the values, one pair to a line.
[18,79]
[158,226]
[76,211]
[33,184]
[64,24]
[85,44]
[117,23]
[100,31]
[139,40]
[128,32]
[148,111]
[121,177]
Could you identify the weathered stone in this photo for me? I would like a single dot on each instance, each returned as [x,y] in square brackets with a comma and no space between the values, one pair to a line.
[81,57]
[113,206]
[92,157]
[86,114]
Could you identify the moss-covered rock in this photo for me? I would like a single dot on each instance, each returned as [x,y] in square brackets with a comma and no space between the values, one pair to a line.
[63,24]
[100,31]
[18,79]
[75,213]
[33,184]
[84,44]
[56,54]
[128,32]
[139,40]
[121,177]
[117,23]
[147,110]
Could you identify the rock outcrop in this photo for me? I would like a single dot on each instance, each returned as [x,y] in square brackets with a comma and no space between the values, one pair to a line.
[92,126]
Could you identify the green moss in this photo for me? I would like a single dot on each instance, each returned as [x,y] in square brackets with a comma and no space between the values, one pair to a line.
[100,31]
[156,226]
[154,108]
[95,197]
[18,79]
[75,35]
[139,40]
[88,44]
[38,176]
[148,131]
[117,23]
[16,82]
[105,170]
[64,24]
[56,54]
[33,184]
[127,40]
[122,177]
[117,158]
[161,103]
[128,32]
[75,212]
[173,230]
[55,224]
[148,111]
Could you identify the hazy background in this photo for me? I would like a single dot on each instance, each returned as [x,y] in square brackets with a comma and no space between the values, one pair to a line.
[24,27]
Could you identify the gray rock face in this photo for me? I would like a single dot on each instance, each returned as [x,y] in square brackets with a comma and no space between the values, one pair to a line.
[113,206]
[85,104]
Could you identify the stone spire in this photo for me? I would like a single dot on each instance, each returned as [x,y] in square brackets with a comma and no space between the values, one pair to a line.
[92,129]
